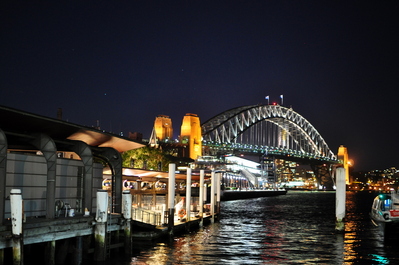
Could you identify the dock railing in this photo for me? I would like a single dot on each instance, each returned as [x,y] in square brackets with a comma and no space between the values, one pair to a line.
[146,216]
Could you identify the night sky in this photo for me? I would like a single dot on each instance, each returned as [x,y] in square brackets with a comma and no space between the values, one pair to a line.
[126,62]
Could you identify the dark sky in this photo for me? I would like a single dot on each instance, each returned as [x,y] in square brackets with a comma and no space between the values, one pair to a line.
[125,62]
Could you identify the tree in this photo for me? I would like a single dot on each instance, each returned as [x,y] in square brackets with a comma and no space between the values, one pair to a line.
[146,158]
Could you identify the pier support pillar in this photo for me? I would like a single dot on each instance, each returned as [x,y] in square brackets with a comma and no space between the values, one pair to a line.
[171,221]
[340,199]
[201,197]
[1,256]
[78,257]
[3,173]
[100,252]
[127,215]
[205,193]
[188,200]
[163,215]
[128,237]
[50,252]
[188,195]
[218,192]
[16,222]
[171,197]
[213,186]
[100,230]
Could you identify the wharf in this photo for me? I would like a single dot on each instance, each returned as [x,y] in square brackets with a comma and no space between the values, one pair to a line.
[144,232]
[38,230]
[78,233]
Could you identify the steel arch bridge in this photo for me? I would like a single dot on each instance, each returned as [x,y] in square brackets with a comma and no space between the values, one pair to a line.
[266,129]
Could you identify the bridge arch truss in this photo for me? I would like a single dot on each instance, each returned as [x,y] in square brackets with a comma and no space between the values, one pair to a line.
[268,127]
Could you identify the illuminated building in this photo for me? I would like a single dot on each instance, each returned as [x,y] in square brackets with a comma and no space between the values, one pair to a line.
[343,156]
[163,127]
[191,134]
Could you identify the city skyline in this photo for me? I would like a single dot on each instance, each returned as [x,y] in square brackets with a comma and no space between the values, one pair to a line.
[123,64]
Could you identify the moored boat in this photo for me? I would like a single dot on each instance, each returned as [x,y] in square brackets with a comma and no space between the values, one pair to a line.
[385,212]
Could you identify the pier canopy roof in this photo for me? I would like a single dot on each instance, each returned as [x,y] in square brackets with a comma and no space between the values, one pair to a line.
[16,123]
[133,174]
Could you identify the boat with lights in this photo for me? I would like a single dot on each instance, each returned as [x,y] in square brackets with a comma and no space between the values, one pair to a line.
[385,211]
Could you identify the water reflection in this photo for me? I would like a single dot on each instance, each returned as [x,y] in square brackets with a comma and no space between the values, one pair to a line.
[298,228]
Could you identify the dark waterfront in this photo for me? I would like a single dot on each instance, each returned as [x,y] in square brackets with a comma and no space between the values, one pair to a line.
[297,228]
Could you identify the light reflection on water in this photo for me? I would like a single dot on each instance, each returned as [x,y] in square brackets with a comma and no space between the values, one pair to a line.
[298,228]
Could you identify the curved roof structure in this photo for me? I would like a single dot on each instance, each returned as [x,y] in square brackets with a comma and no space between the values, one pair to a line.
[16,123]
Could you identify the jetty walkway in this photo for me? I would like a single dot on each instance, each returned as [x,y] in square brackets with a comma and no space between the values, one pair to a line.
[74,238]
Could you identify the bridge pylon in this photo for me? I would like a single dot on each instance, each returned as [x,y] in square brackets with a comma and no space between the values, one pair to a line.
[344,159]
[191,135]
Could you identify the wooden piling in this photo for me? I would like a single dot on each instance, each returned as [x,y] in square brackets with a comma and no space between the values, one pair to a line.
[17,251]
[128,237]
[100,232]
[50,252]
[78,251]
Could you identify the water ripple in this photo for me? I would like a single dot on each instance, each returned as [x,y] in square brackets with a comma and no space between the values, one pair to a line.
[298,228]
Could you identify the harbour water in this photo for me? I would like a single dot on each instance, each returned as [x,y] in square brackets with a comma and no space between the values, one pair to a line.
[297,228]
